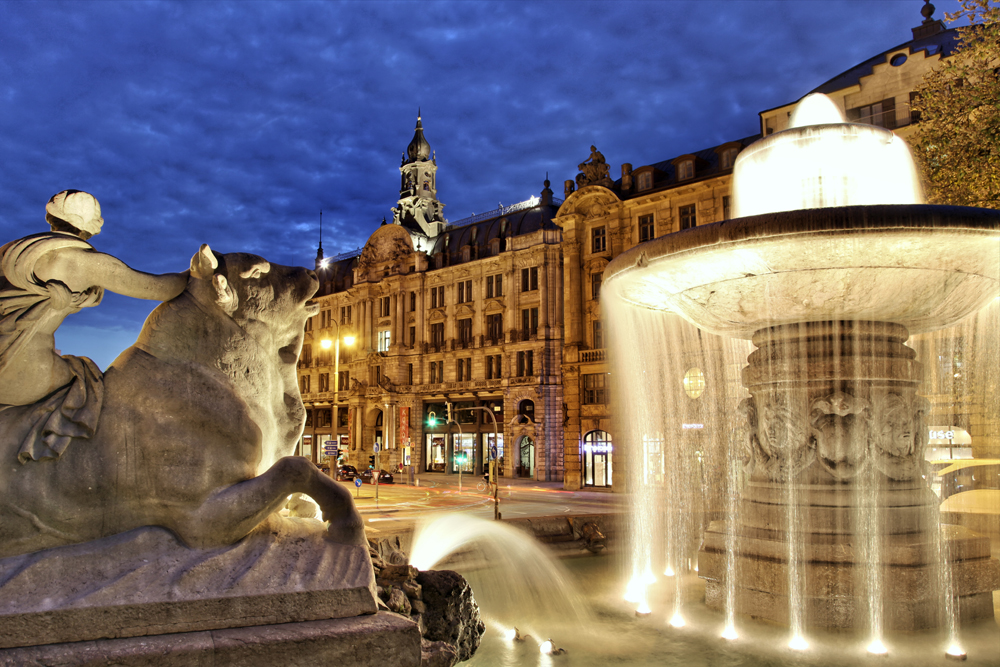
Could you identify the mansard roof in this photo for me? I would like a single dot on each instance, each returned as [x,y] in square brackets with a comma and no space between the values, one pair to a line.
[707,165]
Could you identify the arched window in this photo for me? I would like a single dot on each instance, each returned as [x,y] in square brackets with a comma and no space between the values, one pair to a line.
[526,408]
[597,450]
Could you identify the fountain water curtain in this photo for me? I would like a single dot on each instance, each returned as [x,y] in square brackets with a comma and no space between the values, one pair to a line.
[801,473]
[517,583]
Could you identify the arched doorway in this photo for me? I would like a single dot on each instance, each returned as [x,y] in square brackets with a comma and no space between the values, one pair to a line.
[526,458]
[597,459]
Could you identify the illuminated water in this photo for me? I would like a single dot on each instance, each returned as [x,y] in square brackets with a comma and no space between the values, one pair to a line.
[614,636]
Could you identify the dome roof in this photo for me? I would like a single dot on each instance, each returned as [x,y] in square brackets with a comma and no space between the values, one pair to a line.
[419,149]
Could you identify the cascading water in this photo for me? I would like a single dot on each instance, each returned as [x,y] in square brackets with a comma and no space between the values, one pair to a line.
[832,497]
[515,581]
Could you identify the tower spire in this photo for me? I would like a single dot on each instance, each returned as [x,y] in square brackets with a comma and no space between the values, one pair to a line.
[319,251]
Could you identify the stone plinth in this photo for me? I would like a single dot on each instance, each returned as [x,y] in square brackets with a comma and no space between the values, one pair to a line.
[144,582]
[383,640]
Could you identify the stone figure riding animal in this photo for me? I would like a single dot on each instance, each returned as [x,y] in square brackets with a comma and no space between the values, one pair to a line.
[198,422]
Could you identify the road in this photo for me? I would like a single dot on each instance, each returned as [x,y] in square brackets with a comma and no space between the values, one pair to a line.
[400,505]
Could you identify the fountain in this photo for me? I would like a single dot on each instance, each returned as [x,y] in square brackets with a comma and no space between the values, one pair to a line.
[818,513]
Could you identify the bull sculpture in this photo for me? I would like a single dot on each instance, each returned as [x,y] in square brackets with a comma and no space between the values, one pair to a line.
[197,427]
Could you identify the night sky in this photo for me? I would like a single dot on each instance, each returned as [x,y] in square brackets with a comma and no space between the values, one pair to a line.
[233,124]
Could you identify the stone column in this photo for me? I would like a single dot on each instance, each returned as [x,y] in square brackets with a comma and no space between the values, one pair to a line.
[835,439]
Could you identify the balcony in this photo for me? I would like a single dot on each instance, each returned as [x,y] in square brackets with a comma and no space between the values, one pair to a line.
[589,356]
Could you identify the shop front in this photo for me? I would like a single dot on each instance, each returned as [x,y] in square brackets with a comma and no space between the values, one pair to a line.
[597,459]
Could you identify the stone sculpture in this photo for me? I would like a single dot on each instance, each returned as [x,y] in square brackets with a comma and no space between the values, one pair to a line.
[594,170]
[222,355]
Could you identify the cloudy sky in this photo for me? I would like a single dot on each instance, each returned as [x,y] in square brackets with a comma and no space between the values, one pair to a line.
[234,124]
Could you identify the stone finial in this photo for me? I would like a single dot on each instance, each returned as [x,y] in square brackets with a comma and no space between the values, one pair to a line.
[927,11]
[569,187]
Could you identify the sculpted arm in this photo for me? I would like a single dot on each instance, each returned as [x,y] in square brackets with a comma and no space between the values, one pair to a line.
[80,269]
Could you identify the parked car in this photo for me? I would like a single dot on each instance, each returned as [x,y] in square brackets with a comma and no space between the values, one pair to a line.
[347,473]
[383,477]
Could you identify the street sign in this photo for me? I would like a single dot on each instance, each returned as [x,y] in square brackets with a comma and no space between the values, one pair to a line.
[493,452]
[357,482]
[329,443]
[375,448]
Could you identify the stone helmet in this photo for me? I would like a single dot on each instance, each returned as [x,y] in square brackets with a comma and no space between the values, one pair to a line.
[77,208]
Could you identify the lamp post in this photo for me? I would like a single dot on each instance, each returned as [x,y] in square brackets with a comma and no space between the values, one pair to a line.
[326,343]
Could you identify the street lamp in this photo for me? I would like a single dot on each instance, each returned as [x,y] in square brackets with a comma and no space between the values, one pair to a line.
[326,344]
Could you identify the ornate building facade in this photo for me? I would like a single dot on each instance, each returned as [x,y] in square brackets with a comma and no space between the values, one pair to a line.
[466,313]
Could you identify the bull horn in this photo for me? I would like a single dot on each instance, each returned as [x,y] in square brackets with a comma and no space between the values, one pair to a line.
[204,263]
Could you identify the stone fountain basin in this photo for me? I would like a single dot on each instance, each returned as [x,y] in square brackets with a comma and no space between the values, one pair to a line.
[925,267]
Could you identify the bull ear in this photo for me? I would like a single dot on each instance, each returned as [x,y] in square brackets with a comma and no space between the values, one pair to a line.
[204,263]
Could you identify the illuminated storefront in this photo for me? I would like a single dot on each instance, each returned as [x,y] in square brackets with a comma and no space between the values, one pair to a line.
[597,451]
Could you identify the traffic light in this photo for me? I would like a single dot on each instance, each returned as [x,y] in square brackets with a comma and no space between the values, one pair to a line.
[451,419]
[371,462]
[432,419]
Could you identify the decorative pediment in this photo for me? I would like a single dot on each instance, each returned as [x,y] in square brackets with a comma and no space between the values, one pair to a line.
[493,306]
[390,245]
[592,201]
[595,264]
[465,310]
[436,315]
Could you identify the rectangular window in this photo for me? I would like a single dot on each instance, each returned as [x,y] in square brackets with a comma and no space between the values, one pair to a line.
[685,170]
[437,297]
[689,218]
[304,383]
[385,306]
[494,286]
[384,340]
[463,370]
[413,302]
[529,279]
[644,180]
[409,373]
[529,322]
[493,367]
[727,207]
[464,291]
[593,389]
[525,363]
[465,331]
[646,231]
[309,324]
[344,381]
[598,239]
[413,336]
[437,372]
[437,334]
[324,382]
[595,285]
[598,335]
[494,327]
[882,114]
[914,114]
[345,314]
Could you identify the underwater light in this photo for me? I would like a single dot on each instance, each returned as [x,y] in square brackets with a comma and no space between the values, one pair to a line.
[955,652]
[677,620]
[643,609]
[798,643]
[546,646]
[877,648]
[669,572]
[510,635]
[634,590]
[729,633]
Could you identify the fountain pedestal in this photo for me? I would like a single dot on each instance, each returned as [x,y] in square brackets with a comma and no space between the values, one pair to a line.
[836,513]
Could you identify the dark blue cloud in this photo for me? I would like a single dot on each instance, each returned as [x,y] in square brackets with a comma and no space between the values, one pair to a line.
[235,123]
